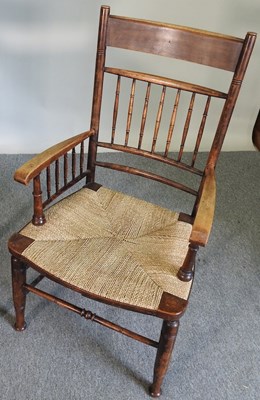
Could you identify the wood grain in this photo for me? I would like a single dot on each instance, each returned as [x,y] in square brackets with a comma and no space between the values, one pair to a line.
[208,48]
[33,167]
[205,212]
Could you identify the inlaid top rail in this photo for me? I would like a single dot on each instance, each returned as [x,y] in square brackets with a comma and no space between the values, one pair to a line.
[195,45]
[172,83]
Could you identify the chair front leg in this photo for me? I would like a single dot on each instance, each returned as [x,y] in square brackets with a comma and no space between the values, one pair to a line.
[19,294]
[166,344]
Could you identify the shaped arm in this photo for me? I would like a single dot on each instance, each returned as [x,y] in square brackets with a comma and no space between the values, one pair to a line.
[205,212]
[33,167]
[201,226]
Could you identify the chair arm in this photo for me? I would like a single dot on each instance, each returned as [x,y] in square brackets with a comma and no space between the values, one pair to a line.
[205,212]
[33,167]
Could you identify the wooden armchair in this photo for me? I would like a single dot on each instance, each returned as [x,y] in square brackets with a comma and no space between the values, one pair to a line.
[107,245]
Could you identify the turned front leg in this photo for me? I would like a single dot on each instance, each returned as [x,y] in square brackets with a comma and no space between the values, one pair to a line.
[19,294]
[166,344]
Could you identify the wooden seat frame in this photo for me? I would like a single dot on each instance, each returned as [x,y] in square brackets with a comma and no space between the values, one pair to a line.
[214,50]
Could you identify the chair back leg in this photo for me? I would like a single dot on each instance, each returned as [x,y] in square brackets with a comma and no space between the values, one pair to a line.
[167,339]
[19,292]
[256,132]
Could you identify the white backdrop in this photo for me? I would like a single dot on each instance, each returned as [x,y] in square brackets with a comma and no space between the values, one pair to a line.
[47,57]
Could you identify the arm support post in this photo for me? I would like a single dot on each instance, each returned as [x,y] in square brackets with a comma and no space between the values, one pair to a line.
[38,215]
[186,272]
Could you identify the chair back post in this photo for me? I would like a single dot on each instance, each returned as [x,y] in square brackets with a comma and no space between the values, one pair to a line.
[256,132]
[98,89]
[233,92]
[228,108]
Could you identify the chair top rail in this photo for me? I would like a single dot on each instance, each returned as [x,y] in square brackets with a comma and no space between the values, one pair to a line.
[194,45]
[168,82]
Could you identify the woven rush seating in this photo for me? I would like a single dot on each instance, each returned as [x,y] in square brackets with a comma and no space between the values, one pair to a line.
[112,245]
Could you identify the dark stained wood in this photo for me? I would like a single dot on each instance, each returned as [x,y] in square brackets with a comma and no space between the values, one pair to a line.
[158,119]
[64,188]
[188,44]
[35,282]
[172,123]
[153,156]
[65,169]
[38,215]
[48,181]
[144,114]
[186,127]
[98,89]
[145,174]
[168,82]
[201,130]
[18,243]
[186,218]
[93,186]
[256,132]
[73,163]
[233,93]
[205,211]
[167,339]
[164,311]
[172,306]
[115,108]
[202,47]
[82,157]
[19,295]
[130,112]
[89,315]
[186,272]
[57,175]
[33,167]
[179,305]
[43,162]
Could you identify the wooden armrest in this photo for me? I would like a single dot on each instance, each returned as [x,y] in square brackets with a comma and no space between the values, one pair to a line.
[33,167]
[205,213]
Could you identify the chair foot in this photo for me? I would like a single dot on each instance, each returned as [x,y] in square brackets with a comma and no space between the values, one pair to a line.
[164,352]
[20,328]
[154,394]
[19,294]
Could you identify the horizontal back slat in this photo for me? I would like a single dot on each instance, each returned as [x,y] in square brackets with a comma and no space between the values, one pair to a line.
[215,50]
[172,83]
[146,174]
[153,156]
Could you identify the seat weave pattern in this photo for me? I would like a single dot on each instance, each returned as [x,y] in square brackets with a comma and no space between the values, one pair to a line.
[112,245]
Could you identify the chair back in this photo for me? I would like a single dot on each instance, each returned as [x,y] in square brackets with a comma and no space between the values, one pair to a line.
[159,117]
